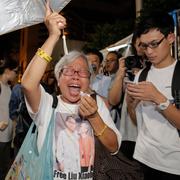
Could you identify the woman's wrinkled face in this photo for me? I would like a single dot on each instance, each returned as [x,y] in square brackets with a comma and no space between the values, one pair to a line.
[74,77]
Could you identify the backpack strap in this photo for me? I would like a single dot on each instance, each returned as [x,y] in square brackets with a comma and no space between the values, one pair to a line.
[176,79]
[175,87]
[143,74]
[54,105]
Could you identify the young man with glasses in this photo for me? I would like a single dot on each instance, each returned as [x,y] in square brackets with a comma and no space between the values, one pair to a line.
[150,102]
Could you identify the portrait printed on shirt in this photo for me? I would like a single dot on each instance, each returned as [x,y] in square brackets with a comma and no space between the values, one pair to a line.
[74,147]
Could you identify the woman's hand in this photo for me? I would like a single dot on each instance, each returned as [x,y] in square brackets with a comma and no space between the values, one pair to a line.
[88,107]
[54,21]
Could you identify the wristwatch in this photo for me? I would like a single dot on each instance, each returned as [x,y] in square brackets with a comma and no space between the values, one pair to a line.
[164,105]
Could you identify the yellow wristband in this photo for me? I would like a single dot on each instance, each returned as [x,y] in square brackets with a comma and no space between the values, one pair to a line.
[42,54]
[102,131]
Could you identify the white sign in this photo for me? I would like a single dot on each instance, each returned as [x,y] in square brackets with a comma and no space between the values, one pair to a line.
[17,14]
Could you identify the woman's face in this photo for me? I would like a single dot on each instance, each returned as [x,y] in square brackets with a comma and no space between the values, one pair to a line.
[11,74]
[73,79]
[139,51]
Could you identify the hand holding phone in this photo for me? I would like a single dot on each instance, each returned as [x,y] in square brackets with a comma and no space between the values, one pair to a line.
[129,82]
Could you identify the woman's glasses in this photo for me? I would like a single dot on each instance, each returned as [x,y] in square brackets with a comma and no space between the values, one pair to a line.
[71,72]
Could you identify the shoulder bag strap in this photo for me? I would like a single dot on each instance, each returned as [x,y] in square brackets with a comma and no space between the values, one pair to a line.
[55,101]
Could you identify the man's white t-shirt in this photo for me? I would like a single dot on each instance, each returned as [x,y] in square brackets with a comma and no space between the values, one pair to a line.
[158,142]
[72,159]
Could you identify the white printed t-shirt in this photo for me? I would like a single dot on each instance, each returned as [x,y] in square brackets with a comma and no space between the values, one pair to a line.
[73,143]
[158,142]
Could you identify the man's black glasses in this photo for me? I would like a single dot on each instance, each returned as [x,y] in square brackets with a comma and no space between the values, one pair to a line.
[152,45]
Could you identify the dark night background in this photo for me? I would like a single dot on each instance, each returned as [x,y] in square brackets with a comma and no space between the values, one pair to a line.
[98,22]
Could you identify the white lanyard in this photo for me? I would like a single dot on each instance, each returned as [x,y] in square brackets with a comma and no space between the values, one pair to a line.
[64,43]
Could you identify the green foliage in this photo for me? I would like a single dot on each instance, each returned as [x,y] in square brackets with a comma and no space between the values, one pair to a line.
[106,34]
[166,5]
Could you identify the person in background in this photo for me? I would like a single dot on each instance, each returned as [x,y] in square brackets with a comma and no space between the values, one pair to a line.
[117,94]
[138,51]
[17,107]
[49,82]
[110,68]
[8,74]
[111,63]
[73,75]
[95,59]
[149,102]
[117,86]
[99,82]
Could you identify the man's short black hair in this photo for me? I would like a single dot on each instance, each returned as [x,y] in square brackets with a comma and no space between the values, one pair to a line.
[94,51]
[118,54]
[154,19]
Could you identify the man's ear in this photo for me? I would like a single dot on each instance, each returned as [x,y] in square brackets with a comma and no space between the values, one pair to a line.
[171,38]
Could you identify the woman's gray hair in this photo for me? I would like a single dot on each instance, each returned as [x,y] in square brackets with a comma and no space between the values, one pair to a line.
[67,59]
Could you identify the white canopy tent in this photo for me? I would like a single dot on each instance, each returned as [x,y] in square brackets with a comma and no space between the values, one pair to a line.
[125,42]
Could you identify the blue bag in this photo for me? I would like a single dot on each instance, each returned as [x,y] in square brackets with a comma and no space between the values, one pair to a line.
[30,164]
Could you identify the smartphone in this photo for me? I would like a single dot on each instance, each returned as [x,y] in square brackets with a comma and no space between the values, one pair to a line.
[92,94]
[84,94]
[129,82]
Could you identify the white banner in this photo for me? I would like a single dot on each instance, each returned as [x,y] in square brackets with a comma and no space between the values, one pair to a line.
[17,14]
